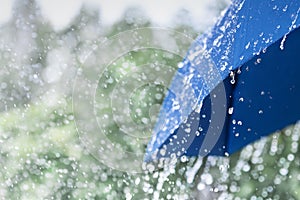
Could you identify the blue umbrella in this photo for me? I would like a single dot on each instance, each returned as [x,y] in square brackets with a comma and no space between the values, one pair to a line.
[238,83]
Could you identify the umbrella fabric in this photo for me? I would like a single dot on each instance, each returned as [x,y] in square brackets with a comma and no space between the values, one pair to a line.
[239,82]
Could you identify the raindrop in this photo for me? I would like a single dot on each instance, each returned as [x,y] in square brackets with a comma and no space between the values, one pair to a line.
[162,152]
[246,168]
[277,181]
[145,120]
[258,60]
[150,167]
[282,42]
[232,81]
[285,8]
[103,177]
[290,157]
[208,179]
[230,110]
[187,130]
[110,80]
[233,188]
[247,45]
[222,168]
[283,171]
[264,50]
[176,105]
[200,186]
[223,68]
[180,64]
[137,181]
[270,189]
[3,85]
[183,159]
[158,96]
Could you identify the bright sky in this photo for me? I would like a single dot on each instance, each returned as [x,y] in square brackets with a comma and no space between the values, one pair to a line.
[161,12]
[5,10]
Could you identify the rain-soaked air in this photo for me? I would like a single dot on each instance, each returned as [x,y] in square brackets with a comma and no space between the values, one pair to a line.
[131,100]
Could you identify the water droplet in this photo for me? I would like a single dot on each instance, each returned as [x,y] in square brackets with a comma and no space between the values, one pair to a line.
[180,64]
[221,168]
[282,42]
[223,68]
[137,181]
[158,96]
[187,130]
[283,171]
[175,105]
[247,45]
[230,110]
[162,152]
[150,167]
[3,85]
[258,60]
[183,158]
[232,81]
[200,186]
[290,157]
[207,178]
[145,120]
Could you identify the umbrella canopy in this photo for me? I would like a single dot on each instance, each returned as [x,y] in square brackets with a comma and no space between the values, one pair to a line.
[238,83]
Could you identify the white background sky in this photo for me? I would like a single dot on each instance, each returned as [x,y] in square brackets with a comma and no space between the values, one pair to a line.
[161,12]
